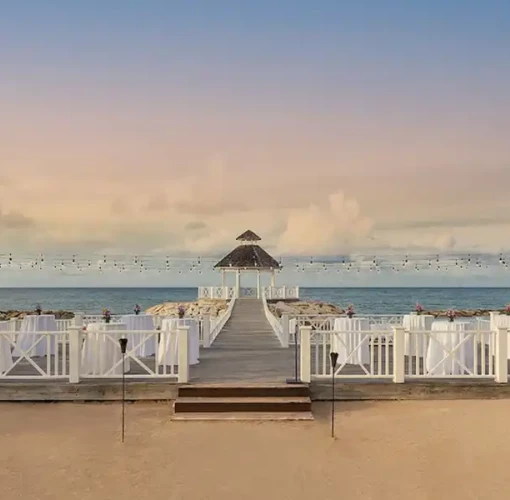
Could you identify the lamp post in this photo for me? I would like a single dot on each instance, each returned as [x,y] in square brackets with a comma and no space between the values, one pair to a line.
[123,344]
[334,358]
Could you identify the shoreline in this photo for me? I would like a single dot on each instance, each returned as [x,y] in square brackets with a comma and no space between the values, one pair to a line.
[215,307]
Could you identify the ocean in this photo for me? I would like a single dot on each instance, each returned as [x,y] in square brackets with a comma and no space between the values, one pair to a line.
[365,300]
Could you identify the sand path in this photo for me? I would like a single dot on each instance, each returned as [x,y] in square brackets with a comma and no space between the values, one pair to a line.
[388,450]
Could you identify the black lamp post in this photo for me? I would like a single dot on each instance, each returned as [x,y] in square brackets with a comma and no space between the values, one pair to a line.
[334,358]
[123,344]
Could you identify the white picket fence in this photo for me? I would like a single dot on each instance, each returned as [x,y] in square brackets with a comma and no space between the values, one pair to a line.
[400,355]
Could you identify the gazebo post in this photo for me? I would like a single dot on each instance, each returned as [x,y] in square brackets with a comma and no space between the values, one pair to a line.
[223,278]
[272,278]
[238,283]
[258,284]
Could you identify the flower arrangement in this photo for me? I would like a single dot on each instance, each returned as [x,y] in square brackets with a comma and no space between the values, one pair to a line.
[507,310]
[450,314]
[181,311]
[350,311]
[38,309]
[418,308]
[107,315]
[137,309]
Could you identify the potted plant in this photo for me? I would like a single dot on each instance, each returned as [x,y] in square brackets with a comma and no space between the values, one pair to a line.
[107,315]
[418,308]
[38,309]
[137,309]
[450,314]
[350,311]
[507,310]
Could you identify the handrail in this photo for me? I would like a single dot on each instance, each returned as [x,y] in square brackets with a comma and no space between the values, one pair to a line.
[217,324]
[273,321]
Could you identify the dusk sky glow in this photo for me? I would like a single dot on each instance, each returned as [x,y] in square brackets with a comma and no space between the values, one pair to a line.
[335,127]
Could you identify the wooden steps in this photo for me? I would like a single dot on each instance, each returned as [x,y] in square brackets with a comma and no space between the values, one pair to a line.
[243,402]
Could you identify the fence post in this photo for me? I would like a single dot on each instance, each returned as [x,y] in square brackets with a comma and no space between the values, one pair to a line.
[305,368]
[78,319]
[206,329]
[501,355]
[399,344]
[285,329]
[182,341]
[74,354]
[493,320]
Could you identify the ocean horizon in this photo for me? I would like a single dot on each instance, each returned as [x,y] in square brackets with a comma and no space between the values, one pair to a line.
[369,300]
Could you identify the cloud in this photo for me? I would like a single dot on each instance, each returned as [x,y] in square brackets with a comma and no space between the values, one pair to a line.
[210,193]
[195,226]
[120,207]
[15,220]
[446,222]
[324,230]
[157,203]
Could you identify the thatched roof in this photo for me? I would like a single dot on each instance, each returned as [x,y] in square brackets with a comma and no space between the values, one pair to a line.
[248,257]
[248,236]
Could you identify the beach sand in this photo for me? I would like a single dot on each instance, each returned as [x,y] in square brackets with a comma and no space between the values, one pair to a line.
[383,450]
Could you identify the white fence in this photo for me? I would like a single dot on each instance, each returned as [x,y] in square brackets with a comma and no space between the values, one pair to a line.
[218,323]
[401,355]
[227,292]
[76,354]
[280,292]
[276,324]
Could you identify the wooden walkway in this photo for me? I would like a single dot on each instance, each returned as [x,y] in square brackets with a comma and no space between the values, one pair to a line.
[245,350]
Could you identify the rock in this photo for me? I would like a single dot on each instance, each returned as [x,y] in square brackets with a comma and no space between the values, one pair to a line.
[304,307]
[7,315]
[213,307]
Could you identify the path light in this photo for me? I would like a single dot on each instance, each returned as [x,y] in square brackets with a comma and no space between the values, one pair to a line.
[333,358]
[123,344]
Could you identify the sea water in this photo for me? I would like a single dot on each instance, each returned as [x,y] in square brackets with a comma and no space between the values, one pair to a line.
[365,300]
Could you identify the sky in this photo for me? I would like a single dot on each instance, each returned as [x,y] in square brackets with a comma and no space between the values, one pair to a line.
[170,127]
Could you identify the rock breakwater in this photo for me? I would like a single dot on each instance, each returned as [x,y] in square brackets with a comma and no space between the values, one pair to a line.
[212,307]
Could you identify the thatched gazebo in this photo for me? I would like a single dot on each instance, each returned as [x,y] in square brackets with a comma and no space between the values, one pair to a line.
[247,257]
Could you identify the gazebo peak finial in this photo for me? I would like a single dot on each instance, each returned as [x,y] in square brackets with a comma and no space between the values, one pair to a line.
[248,236]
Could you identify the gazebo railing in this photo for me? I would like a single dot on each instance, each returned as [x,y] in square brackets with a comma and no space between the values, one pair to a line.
[227,292]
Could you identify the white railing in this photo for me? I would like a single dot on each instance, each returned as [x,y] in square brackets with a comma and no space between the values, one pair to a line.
[76,354]
[103,359]
[280,292]
[216,292]
[447,354]
[218,323]
[275,323]
[24,362]
[227,292]
[403,355]
[361,355]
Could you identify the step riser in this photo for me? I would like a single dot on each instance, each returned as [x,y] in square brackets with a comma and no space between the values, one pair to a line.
[242,392]
[241,407]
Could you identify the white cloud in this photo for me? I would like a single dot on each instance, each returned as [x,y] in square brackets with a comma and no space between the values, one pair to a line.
[325,229]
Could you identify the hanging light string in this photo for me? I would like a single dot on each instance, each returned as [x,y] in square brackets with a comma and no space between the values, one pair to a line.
[122,263]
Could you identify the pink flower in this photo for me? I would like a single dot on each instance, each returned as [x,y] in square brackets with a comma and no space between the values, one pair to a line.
[419,307]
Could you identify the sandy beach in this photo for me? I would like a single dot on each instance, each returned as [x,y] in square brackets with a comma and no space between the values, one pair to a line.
[383,450]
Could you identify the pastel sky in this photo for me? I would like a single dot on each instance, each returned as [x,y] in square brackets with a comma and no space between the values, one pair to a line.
[326,127]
